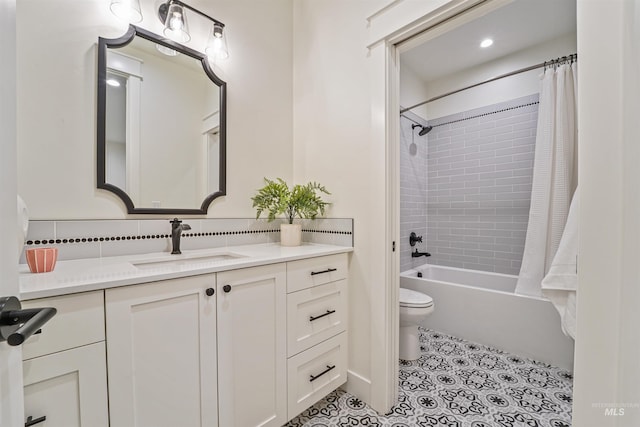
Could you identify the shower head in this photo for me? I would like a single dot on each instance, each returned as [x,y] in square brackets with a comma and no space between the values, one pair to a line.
[425,129]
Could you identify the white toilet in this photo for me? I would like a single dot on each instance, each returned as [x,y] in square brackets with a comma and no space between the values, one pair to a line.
[414,308]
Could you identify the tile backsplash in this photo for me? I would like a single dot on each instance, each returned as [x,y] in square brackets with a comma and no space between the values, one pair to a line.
[104,238]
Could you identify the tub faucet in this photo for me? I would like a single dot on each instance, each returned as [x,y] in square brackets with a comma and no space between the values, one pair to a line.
[416,254]
[176,231]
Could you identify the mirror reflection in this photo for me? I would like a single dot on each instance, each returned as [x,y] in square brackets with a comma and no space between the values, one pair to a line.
[163,136]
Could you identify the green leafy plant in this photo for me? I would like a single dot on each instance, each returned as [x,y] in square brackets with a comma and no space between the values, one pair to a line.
[301,201]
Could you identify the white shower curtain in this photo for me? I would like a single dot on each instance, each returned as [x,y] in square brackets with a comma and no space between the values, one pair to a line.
[554,175]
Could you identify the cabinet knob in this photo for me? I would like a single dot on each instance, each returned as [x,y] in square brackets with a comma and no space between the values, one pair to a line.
[226,288]
[210,291]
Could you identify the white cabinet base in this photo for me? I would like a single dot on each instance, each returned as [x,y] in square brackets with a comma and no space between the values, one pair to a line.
[316,372]
[315,314]
[252,348]
[69,387]
[161,341]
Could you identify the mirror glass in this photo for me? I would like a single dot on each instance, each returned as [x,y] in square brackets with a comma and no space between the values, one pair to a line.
[161,125]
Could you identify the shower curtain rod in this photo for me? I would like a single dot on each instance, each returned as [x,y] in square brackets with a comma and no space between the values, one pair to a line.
[553,62]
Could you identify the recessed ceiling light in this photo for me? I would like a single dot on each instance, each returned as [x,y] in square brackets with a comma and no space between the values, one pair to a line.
[486,43]
[113,82]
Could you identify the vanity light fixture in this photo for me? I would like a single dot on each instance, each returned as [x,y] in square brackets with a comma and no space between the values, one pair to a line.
[113,82]
[173,15]
[486,43]
[127,10]
[217,44]
[175,22]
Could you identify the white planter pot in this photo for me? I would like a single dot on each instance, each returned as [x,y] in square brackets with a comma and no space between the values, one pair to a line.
[290,234]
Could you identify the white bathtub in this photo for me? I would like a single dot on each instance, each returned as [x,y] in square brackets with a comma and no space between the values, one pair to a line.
[482,307]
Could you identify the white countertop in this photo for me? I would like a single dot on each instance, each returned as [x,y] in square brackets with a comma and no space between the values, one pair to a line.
[102,273]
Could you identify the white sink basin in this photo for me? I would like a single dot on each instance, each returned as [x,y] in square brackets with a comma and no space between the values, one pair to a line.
[191,260]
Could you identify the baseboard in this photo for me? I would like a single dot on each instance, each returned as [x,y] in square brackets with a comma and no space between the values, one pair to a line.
[358,385]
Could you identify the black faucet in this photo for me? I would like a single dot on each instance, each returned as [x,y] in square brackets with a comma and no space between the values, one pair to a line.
[176,231]
[416,254]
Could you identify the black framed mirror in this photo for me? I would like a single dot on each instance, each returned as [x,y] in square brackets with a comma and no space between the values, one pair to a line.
[161,130]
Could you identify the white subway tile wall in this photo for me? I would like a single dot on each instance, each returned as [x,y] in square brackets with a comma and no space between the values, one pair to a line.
[95,238]
[479,174]
[413,189]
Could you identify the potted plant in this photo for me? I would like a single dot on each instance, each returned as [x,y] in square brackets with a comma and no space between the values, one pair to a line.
[301,201]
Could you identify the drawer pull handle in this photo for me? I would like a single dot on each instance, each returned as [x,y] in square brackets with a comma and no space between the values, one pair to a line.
[226,289]
[311,318]
[313,378]
[328,270]
[210,292]
[31,421]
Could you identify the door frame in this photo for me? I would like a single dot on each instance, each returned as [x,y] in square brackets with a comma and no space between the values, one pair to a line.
[393,30]
[11,385]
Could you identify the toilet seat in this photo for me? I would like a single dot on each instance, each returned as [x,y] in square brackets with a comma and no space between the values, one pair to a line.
[414,299]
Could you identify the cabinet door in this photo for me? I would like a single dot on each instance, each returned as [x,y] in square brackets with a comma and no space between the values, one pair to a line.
[252,347]
[161,352]
[69,387]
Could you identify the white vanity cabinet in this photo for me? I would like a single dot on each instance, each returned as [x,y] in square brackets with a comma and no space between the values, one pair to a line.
[165,368]
[246,347]
[252,349]
[317,324]
[161,353]
[65,378]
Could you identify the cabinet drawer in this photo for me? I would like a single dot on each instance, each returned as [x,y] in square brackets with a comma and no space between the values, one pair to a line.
[316,372]
[79,321]
[69,388]
[306,273]
[315,314]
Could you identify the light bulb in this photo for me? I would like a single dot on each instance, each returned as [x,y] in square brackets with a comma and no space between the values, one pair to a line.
[486,43]
[217,44]
[175,24]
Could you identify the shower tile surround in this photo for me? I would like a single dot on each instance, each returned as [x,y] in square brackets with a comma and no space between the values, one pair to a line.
[413,189]
[457,383]
[479,174]
[104,238]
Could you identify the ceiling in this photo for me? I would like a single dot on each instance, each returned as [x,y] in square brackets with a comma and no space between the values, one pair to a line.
[516,26]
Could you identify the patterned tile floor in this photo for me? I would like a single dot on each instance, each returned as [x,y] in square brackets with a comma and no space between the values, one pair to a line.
[457,383]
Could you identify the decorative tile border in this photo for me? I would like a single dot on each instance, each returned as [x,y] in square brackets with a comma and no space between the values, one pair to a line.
[149,236]
[95,238]
[474,116]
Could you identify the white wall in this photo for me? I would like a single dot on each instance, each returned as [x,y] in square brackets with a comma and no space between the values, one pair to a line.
[332,145]
[413,91]
[56,101]
[501,90]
